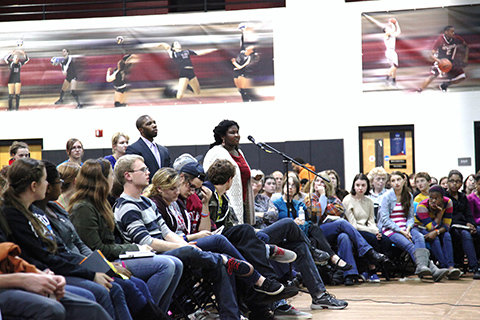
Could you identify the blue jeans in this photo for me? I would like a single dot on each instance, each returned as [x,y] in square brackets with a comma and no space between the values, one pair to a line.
[418,242]
[161,273]
[466,239]
[220,244]
[19,304]
[84,293]
[441,248]
[287,234]
[213,269]
[113,302]
[136,294]
[341,233]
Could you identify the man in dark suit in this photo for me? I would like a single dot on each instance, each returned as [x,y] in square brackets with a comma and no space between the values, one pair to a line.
[155,155]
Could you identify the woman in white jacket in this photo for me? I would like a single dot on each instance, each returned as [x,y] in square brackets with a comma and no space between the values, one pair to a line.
[240,194]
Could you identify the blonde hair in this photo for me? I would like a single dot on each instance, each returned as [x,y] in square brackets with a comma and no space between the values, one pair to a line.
[68,173]
[164,178]
[377,171]
[125,164]
[328,185]
[117,137]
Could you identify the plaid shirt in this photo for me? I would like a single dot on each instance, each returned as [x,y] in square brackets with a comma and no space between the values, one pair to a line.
[334,206]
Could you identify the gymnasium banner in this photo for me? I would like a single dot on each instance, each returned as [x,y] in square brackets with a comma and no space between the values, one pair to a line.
[421,50]
[135,61]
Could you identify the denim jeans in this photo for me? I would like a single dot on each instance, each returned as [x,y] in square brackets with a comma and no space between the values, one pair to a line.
[441,248]
[220,244]
[113,302]
[466,238]
[383,245]
[161,273]
[418,242]
[287,234]
[341,233]
[19,304]
[213,269]
[136,293]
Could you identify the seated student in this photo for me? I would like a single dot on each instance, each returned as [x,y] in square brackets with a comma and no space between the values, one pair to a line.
[265,211]
[139,222]
[18,150]
[302,172]
[139,298]
[474,202]
[25,291]
[469,184]
[432,219]
[335,181]
[323,204]
[422,182]
[359,212]
[74,151]
[119,147]
[285,233]
[463,226]
[397,219]
[338,232]
[32,232]
[68,173]
[378,179]
[269,186]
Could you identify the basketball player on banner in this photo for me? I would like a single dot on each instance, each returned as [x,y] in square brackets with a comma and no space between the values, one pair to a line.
[392,31]
[450,55]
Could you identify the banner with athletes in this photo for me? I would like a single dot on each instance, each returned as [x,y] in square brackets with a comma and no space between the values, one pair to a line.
[421,50]
[135,61]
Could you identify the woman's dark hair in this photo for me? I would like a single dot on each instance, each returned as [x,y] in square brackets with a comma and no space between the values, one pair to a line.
[360,176]
[21,175]
[465,181]
[52,172]
[458,173]
[221,130]
[406,196]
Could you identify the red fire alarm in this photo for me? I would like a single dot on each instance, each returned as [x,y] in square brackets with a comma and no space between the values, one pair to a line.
[99,133]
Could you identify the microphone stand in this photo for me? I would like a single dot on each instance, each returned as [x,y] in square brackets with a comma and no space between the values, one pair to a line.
[286,159]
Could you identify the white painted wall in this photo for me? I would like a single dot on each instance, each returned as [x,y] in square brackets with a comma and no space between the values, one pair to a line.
[318,85]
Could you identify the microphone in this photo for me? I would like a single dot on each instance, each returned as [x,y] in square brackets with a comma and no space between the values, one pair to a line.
[260,144]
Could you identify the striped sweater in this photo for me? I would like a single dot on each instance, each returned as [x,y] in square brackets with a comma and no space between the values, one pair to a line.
[138,220]
[424,217]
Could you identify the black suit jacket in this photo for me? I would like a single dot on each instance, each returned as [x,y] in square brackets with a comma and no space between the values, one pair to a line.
[141,148]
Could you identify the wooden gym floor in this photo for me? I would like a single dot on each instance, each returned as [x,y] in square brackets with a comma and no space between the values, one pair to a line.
[409,298]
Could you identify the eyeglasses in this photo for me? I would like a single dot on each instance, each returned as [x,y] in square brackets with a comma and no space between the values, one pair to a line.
[144,170]
[455,181]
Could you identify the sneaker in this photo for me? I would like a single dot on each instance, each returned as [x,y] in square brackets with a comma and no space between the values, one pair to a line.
[328,301]
[59,101]
[454,274]
[239,267]
[291,313]
[79,106]
[282,255]
[373,278]
[443,87]
[476,275]
[270,286]
[320,257]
